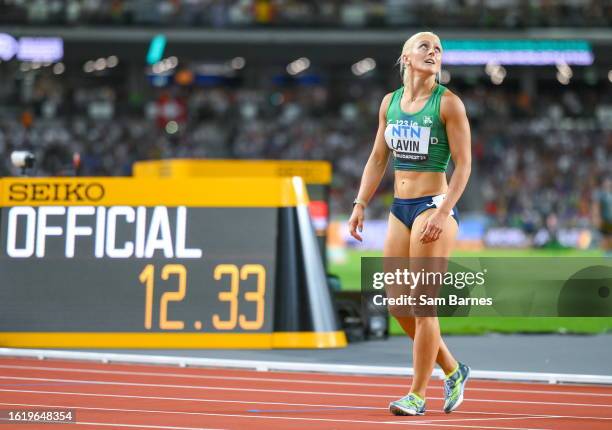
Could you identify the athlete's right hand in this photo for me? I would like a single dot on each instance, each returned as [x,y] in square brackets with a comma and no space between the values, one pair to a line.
[356,222]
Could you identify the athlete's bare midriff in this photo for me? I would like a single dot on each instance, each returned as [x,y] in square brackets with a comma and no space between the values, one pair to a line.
[411,184]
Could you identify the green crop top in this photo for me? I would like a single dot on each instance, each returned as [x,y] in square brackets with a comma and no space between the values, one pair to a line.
[418,140]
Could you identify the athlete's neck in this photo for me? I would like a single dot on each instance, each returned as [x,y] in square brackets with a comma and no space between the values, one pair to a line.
[417,87]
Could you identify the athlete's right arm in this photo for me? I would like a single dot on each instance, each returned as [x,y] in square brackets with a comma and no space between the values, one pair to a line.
[373,172]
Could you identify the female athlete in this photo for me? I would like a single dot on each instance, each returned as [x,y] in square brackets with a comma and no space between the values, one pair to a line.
[423,124]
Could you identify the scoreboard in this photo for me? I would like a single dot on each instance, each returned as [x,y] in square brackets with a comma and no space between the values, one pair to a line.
[159,263]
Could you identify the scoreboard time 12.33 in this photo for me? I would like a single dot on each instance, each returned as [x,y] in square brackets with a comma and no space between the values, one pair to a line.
[111,260]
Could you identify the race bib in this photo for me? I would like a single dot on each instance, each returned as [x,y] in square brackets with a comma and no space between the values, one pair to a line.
[408,141]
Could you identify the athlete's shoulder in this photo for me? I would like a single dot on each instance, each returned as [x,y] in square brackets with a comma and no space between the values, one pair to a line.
[389,96]
[384,104]
[451,104]
[448,95]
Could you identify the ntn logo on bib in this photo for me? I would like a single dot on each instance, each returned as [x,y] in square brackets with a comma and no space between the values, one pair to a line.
[408,141]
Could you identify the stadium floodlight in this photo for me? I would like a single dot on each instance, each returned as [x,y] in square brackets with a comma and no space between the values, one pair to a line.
[496,79]
[42,49]
[238,63]
[23,160]
[363,66]
[497,73]
[445,76]
[565,70]
[298,66]
[89,67]
[172,127]
[156,49]
[165,65]
[100,64]
[563,79]
[490,67]
[59,68]
[157,68]
[8,46]
[112,61]
[172,62]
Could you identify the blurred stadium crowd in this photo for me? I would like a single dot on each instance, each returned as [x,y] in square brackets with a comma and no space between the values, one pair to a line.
[537,160]
[309,13]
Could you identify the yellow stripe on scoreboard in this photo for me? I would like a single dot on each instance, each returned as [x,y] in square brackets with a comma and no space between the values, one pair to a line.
[192,192]
[335,339]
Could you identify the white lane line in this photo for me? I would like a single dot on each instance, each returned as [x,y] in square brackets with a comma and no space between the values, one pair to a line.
[253,416]
[187,399]
[284,380]
[311,405]
[478,427]
[523,417]
[261,390]
[142,426]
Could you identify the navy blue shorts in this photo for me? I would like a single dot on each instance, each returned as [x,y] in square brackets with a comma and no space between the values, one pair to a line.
[406,210]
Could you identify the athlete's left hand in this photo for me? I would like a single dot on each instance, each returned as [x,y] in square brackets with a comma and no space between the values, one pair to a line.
[433,226]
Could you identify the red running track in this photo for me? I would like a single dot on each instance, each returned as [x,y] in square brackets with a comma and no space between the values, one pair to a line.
[124,396]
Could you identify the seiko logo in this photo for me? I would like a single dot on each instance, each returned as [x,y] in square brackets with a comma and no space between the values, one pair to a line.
[56,192]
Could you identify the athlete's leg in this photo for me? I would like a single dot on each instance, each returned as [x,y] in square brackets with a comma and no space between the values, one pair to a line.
[444,358]
[397,244]
[427,339]
[395,250]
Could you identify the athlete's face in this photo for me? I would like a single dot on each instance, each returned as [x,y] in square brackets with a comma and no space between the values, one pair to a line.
[425,55]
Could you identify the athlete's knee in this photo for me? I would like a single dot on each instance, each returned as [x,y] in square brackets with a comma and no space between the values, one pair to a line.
[425,321]
[400,311]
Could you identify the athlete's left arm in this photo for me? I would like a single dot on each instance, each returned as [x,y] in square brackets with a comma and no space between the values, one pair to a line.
[453,114]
